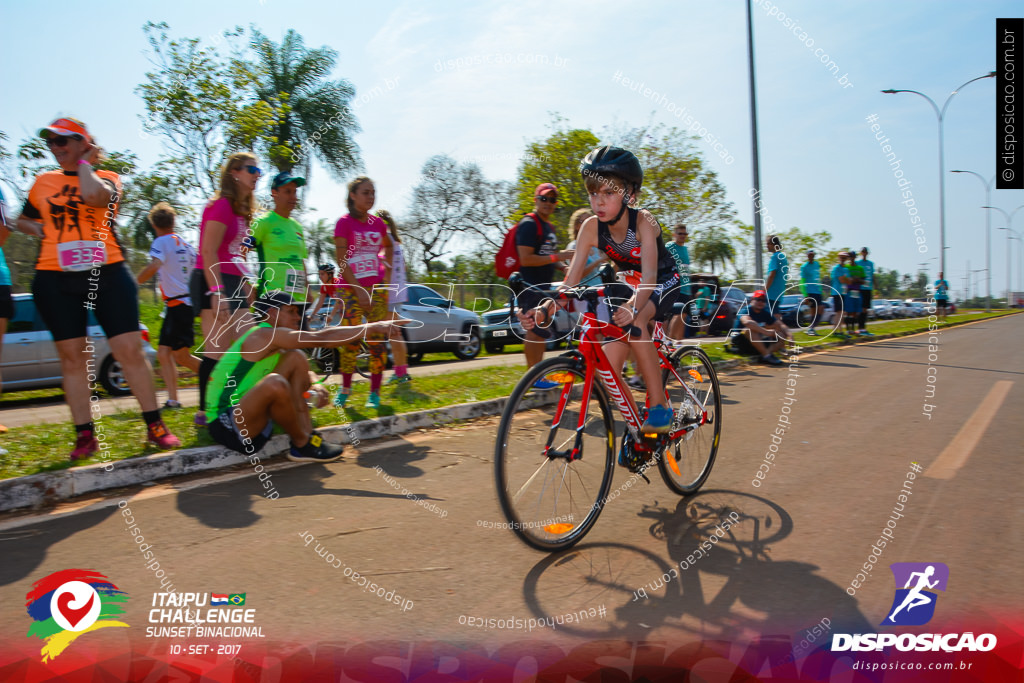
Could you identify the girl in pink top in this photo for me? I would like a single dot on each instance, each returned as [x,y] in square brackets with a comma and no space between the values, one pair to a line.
[359,240]
[218,287]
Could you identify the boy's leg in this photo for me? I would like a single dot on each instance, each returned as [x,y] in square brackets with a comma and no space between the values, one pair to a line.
[185,359]
[647,356]
[168,371]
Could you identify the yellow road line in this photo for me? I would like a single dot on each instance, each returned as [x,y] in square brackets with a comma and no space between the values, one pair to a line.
[963,444]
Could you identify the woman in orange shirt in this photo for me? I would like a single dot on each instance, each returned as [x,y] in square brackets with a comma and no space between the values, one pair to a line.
[81,268]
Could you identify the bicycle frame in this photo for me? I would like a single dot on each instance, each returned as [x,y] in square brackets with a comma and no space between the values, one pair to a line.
[597,364]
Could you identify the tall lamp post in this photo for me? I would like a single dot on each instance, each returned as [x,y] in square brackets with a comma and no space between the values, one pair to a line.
[988,236]
[1016,236]
[758,199]
[1009,220]
[940,114]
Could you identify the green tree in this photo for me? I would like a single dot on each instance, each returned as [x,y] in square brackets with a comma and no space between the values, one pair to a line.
[193,99]
[320,242]
[555,160]
[714,246]
[308,115]
[886,282]
[679,187]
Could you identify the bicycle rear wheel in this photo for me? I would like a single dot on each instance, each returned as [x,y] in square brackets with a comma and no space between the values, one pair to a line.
[552,478]
[687,460]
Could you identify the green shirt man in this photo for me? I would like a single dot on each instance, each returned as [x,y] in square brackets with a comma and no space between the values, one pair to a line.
[279,242]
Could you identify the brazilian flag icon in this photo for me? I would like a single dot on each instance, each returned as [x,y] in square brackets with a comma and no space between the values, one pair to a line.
[236,599]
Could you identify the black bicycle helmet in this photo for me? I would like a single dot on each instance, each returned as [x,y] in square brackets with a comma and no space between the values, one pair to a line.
[613,161]
[329,267]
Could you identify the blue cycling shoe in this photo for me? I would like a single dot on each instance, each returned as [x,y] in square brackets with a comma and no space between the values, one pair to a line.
[659,419]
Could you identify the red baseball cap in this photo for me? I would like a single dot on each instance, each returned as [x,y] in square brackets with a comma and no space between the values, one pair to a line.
[545,187]
[66,127]
[759,294]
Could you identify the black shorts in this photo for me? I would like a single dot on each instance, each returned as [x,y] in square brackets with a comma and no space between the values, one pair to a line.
[941,303]
[837,303]
[177,331]
[224,430]
[865,298]
[63,299]
[233,290]
[6,302]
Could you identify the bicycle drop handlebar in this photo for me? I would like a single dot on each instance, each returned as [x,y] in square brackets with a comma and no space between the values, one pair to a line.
[590,295]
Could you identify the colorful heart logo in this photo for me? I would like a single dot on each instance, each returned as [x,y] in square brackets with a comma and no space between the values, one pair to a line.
[74,616]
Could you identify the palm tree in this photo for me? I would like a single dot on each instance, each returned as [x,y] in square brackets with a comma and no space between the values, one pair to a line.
[320,242]
[315,119]
[713,246]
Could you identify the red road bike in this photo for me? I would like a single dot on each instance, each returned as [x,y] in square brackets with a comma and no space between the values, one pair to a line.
[555,450]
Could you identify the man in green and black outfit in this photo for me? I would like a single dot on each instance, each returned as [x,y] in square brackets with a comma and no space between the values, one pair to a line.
[279,242]
[263,378]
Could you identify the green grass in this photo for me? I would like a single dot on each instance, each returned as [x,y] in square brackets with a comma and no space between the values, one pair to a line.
[44,447]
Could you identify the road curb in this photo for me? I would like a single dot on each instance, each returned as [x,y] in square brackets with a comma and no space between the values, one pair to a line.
[37,490]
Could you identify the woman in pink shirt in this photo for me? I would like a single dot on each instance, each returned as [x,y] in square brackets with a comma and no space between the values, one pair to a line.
[359,240]
[218,286]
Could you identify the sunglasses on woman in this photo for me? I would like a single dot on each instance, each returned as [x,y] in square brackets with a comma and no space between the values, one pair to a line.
[253,170]
[60,140]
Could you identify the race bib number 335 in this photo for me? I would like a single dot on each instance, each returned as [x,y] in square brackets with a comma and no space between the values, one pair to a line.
[79,255]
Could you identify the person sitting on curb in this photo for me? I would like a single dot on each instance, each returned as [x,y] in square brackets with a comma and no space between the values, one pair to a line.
[264,378]
[764,332]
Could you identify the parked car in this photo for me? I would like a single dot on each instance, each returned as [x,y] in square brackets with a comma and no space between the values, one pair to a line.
[882,308]
[498,332]
[898,309]
[440,325]
[796,311]
[30,359]
[916,308]
[727,302]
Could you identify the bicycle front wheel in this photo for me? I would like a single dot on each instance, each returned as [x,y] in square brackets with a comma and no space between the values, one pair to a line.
[553,473]
[687,460]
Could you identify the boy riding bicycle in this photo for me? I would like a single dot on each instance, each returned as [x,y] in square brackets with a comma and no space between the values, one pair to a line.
[631,239]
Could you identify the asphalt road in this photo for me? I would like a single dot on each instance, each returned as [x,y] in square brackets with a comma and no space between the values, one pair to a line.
[857,426]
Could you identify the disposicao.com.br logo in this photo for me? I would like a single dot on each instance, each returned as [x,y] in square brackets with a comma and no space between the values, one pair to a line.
[914,604]
[71,603]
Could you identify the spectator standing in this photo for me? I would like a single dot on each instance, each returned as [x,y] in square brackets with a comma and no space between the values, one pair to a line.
[810,283]
[536,245]
[398,294]
[853,301]
[360,240]
[865,291]
[174,259]
[941,296]
[840,279]
[218,287]
[81,268]
[778,270]
[6,302]
[679,328]
[279,243]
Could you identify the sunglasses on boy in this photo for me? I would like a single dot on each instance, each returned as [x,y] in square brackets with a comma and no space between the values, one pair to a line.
[60,140]
[548,200]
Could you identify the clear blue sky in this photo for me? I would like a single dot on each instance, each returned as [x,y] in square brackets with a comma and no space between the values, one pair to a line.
[821,166]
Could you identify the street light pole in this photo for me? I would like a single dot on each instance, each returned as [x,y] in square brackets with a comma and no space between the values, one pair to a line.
[988,237]
[940,115]
[1009,220]
[758,199]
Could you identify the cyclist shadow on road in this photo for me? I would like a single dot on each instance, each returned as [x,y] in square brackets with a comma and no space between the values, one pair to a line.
[722,581]
[715,588]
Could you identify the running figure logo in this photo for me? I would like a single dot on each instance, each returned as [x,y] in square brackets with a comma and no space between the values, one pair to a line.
[914,604]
